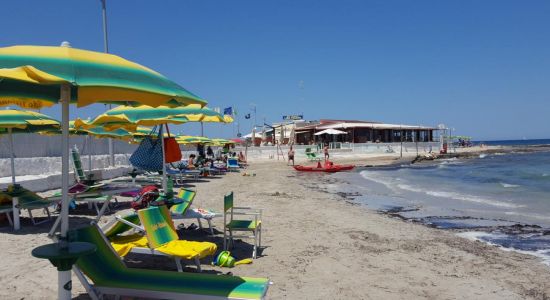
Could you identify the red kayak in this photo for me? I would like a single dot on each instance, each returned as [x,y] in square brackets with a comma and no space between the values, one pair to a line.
[328,167]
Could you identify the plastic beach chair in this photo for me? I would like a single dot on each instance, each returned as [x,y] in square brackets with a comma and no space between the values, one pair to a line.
[160,238]
[104,273]
[232,164]
[78,171]
[183,210]
[252,225]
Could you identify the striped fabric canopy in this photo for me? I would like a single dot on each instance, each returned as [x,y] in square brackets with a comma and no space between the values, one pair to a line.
[196,113]
[221,142]
[31,77]
[129,118]
[25,121]
[187,139]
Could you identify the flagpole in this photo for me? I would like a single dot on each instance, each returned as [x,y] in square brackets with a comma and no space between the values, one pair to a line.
[106,50]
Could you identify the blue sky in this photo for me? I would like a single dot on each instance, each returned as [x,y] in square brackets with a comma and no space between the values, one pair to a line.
[482,67]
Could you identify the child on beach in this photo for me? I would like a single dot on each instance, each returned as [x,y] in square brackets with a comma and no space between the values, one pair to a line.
[325,150]
[290,156]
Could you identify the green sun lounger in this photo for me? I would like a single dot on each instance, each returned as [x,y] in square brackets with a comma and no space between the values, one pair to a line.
[312,156]
[184,211]
[160,237]
[28,200]
[104,273]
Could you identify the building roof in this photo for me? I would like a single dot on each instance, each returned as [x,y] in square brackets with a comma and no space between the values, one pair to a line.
[345,125]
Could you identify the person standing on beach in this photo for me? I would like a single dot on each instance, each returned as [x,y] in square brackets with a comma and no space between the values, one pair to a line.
[325,150]
[290,156]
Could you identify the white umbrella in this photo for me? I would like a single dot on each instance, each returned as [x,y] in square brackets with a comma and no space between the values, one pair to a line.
[331,132]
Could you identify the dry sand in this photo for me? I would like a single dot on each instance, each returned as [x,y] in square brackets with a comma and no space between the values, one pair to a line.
[316,245]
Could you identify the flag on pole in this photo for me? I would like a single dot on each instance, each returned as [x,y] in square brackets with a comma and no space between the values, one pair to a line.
[228,111]
[247,116]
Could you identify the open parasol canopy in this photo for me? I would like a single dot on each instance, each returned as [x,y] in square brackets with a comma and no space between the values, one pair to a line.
[32,76]
[188,139]
[331,132]
[23,121]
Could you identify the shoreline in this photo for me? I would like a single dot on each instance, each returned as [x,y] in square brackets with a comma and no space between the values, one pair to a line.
[316,245]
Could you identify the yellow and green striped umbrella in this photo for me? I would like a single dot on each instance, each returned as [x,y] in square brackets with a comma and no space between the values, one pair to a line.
[23,121]
[196,113]
[221,142]
[32,76]
[129,117]
[188,139]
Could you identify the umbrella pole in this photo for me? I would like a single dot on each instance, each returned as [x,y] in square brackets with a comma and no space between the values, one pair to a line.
[64,277]
[163,159]
[89,154]
[15,202]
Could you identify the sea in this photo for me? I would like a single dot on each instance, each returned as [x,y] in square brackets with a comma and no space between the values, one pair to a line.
[500,198]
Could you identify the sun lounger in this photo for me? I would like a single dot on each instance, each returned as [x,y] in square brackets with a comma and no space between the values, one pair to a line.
[180,175]
[160,238]
[183,210]
[104,273]
[230,224]
[7,210]
[312,156]
[22,198]
[78,171]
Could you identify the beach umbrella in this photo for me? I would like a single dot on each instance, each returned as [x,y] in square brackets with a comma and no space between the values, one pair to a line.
[129,117]
[195,113]
[221,142]
[331,132]
[40,76]
[18,121]
[23,121]
[187,139]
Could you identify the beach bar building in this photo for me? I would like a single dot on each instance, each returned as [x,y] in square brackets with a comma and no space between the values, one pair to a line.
[354,131]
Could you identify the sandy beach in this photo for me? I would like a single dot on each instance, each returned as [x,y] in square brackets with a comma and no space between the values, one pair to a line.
[316,245]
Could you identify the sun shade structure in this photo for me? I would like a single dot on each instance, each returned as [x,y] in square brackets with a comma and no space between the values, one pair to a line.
[41,76]
[331,132]
[187,139]
[129,117]
[221,142]
[22,121]
[32,76]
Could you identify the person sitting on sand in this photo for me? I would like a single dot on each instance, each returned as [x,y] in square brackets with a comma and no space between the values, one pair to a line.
[290,156]
[325,150]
